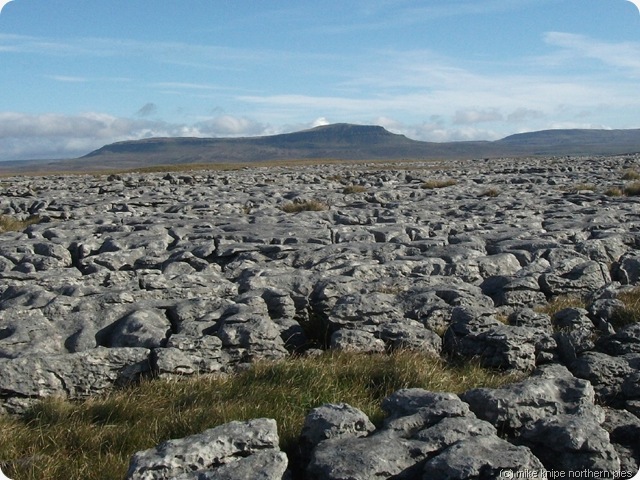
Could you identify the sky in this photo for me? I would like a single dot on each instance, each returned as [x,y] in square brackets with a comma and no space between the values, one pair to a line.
[78,74]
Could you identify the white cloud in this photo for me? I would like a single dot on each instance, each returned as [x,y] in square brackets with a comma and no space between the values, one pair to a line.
[320,121]
[470,116]
[524,114]
[229,125]
[3,3]
[66,78]
[575,47]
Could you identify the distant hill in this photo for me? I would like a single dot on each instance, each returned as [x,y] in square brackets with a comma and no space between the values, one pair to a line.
[340,141]
[345,142]
[574,142]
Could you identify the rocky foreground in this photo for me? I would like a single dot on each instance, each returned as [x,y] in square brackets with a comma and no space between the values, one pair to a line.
[183,273]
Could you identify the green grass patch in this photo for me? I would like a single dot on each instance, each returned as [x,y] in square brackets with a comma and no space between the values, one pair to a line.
[95,439]
[432,184]
[305,206]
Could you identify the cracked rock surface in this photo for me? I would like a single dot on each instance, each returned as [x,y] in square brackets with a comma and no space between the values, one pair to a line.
[175,274]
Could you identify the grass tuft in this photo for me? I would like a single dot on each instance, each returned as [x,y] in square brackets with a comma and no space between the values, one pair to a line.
[632,189]
[614,192]
[560,303]
[354,189]
[580,187]
[95,439]
[490,192]
[631,174]
[432,184]
[630,313]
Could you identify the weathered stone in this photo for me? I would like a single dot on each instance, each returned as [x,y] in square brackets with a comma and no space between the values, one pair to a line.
[550,390]
[571,443]
[410,335]
[580,279]
[206,451]
[624,433]
[606,373]
[263,465]
[184,355]
[477,334]
[481,457]
[382,455]
[627,269]
[227,277]
[451,430]
[140,328]
[356,341]
[333,421]
[258,335]
[413,409]
[624,341]
[79,375]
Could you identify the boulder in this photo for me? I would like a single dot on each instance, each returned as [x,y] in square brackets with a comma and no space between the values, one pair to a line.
[413,409]
[481,457]
[356,341]
[476,333]
[580,279]
[185,355]
[627,269]
[571,443]
[382,455]
[607,374]
[27,379]
[551,390]
[220,447]
[147,328]
[332,421]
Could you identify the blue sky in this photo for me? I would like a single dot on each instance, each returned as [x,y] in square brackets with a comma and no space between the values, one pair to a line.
[78,74]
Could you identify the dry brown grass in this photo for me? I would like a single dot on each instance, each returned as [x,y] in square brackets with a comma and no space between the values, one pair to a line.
[305,206]
[580,187]
[490,192]
[349,189]
[632,189]
[631,174]
[631,311]
[560,303]
[12,224]
[432,184]
[614,192]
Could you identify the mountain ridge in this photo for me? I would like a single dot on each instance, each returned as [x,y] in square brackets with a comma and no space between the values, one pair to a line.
[345,141]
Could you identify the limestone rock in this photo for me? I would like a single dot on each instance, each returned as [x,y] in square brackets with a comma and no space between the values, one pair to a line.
[204,452]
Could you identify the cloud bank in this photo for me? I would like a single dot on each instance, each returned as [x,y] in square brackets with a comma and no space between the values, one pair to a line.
[25,136]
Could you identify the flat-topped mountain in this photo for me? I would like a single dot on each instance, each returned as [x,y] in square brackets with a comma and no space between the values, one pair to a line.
[342,141]
[361,142]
